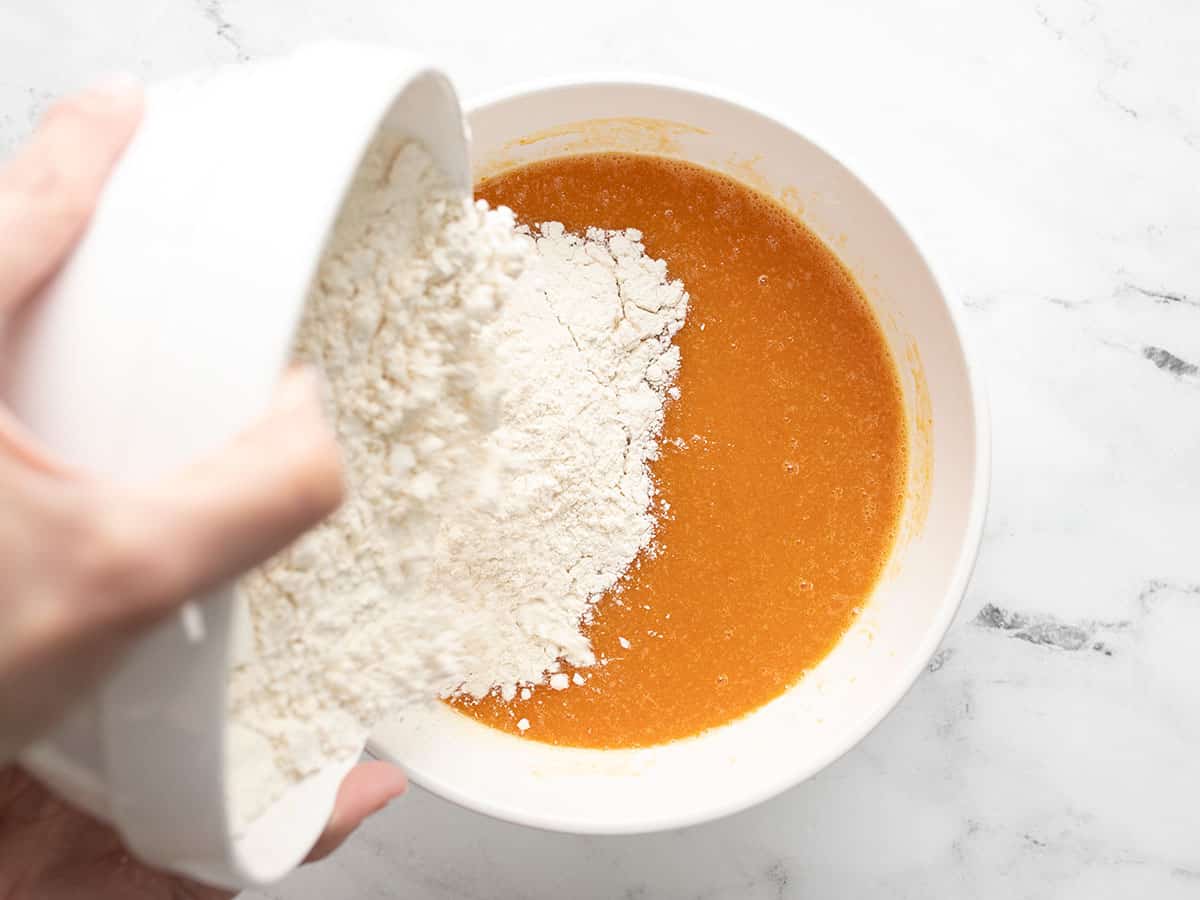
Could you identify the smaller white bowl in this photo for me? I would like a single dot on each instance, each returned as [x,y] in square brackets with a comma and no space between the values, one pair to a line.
[790,739]
[163,337]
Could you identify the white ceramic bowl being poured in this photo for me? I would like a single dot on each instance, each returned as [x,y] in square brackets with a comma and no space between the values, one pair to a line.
[834,706]
[162,338]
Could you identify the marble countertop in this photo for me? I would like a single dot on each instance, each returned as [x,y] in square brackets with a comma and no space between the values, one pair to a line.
[1049,152]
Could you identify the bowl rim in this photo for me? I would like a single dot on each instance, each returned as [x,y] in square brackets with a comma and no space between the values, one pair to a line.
[969,548]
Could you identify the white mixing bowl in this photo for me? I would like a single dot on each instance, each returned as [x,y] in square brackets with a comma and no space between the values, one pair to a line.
[162,337]
[838,703]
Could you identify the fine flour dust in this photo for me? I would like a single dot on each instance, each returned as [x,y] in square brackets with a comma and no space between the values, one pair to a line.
[498,395]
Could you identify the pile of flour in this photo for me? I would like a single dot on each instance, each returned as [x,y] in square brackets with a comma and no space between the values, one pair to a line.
[498,394]
[343,633]
[586,348]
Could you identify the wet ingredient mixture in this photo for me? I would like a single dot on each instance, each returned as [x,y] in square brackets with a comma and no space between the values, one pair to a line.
[783,462]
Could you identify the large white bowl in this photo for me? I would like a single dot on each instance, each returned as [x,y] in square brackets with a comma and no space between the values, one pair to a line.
[837,704]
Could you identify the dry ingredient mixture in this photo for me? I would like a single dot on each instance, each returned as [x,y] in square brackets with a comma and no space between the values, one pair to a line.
[343,632]
[586,345]
[499,397]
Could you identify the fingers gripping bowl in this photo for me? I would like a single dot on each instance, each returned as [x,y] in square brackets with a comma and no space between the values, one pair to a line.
[853,688]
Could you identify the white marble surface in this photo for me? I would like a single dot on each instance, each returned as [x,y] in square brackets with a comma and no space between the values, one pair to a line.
[1050,154]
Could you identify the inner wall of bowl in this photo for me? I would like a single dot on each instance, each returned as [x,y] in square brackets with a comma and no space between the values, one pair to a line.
[866,674]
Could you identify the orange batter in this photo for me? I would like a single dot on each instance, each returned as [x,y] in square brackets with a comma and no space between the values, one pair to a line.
[785,494]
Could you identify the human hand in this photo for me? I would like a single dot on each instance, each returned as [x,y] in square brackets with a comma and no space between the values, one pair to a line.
[85,565]
[51,851]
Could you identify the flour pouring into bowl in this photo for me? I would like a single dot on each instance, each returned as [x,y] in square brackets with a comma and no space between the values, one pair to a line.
[498,394]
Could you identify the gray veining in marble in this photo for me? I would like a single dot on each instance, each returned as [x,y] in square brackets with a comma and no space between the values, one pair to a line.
[1048,153]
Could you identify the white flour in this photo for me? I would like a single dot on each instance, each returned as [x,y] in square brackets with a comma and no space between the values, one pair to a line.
[586,346]
[427,582]
[343,633]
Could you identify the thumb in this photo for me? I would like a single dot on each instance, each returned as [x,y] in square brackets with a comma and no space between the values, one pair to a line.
[367,789]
